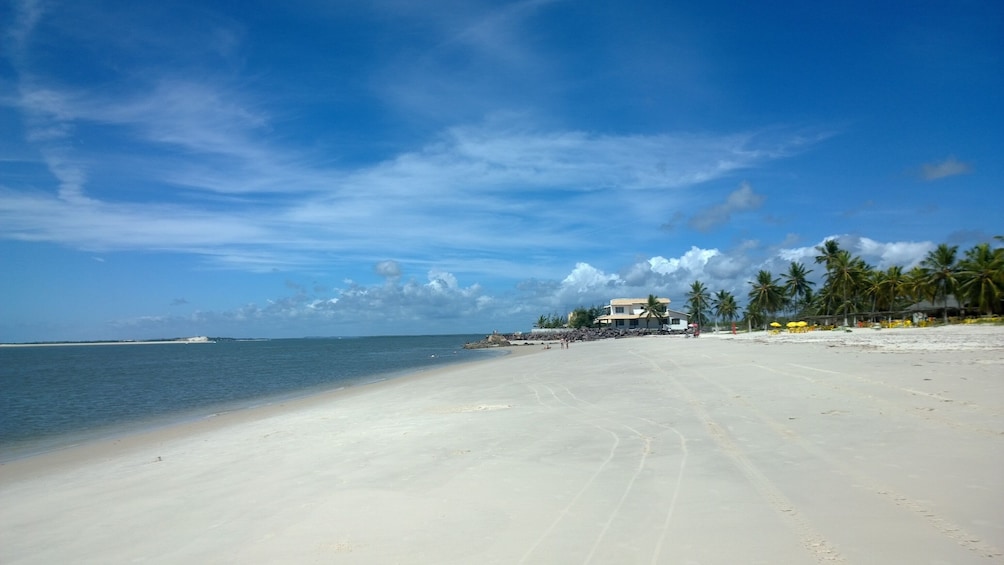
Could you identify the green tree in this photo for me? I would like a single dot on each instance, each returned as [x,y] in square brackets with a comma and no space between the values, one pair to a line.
[653,308]
[846,278]
[981,277]
[754,317]
[766,297]
[551,321]
[827,252]
[916,287]
[698,300]
[580,318]
[724,306]
[941,272]
[893,286]
[828,300]
[797,285]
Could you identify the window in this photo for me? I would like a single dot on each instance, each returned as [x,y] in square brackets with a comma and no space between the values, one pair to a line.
[619,310]
[634,323]
[618,322]
[674,321]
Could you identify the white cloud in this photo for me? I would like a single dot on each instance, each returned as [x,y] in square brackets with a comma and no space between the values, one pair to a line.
[740,200]
[950,167]
[692,262]
[881,255]
[481,182]
[906,254]
[444,302]
[242,196]
[389,269]
[585,278]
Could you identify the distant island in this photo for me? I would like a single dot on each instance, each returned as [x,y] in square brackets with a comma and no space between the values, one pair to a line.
[183,340]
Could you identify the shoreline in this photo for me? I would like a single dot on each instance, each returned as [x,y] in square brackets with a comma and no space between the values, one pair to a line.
[132,432]
[654,450]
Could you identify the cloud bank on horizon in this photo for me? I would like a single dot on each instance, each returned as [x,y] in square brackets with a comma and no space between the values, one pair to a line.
[346,169]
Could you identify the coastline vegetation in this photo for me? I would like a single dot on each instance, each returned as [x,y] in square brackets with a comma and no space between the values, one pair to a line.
[853,289]
[972,283]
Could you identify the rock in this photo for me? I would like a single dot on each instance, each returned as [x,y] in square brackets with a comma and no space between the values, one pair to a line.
[493,340]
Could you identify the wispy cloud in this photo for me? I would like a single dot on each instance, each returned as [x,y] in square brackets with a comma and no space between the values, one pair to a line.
[482,180]
[740,200]
[950,167]
[168,161]
[26,16]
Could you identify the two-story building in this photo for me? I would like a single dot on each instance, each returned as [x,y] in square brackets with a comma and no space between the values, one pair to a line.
[630,313]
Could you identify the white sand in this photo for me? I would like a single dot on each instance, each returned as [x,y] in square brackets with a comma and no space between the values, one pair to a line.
[937,338]
[645,450]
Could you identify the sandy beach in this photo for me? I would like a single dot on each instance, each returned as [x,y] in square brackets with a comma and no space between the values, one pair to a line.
[828,447]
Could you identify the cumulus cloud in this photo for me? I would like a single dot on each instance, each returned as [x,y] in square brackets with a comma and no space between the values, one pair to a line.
[881,255]
[585,277]
[950,167]
[444,302]
[740,200]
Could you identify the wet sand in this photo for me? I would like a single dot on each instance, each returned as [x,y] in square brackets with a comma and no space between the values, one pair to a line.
[806,448]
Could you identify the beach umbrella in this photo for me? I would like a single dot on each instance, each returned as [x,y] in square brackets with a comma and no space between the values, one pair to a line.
[791,324]
[803,324]
[775,324]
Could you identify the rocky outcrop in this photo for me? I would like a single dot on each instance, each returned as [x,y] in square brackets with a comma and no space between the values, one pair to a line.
[493,340]
[583,334]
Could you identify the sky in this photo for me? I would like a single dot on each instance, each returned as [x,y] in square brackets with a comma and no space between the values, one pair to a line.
[390,167]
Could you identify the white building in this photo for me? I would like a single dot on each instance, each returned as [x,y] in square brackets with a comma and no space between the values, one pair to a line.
[630,313]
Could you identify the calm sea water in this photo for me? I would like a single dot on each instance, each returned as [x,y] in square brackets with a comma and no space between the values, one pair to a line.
[56,396]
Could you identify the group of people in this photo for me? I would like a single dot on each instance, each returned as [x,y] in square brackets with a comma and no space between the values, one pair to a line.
[563,342]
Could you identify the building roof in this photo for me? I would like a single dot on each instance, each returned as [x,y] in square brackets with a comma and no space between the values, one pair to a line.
[638,315]
[630,301]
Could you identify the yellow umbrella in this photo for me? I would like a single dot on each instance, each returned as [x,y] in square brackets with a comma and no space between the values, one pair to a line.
[791,324]
[775,325]
[803,324]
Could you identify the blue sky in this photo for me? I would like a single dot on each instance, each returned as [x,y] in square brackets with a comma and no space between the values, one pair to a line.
[285,169]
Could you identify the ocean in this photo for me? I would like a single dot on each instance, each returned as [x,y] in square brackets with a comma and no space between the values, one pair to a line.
[51,397]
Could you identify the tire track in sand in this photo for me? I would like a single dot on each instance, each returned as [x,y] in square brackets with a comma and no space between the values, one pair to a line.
[593,414]
[811,540]
[647,450]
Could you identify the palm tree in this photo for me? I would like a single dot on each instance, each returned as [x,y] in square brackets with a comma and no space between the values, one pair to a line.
[725,307]
[872,287]
[827,251]
[916,285]
[697,300]
[893,285]
[796,284]
[754,317]
[847,276]
[767,296]
[654,309]
[981,277]
[941,269]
